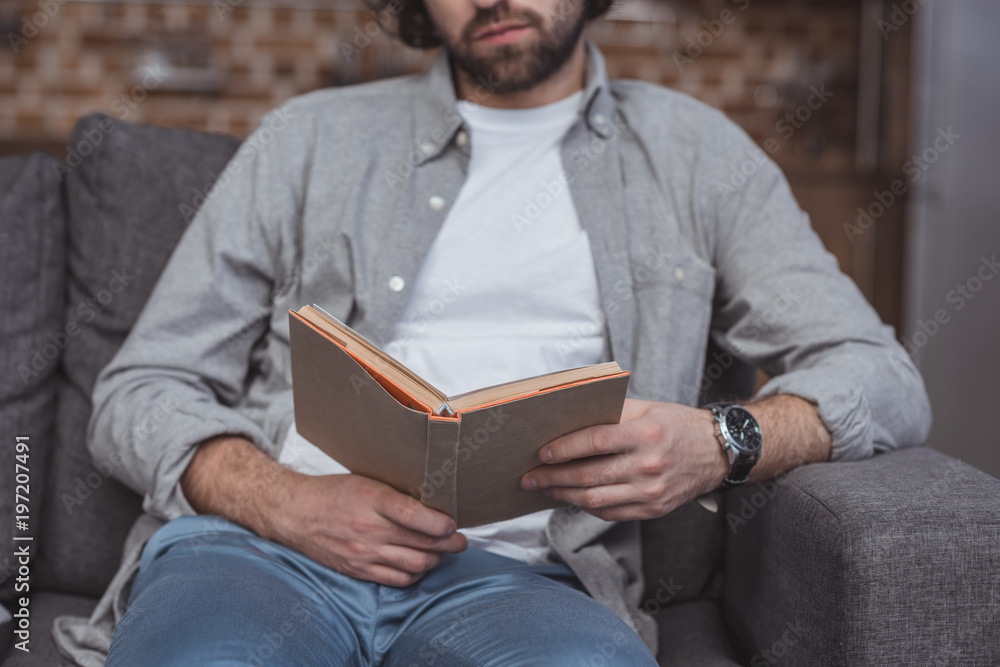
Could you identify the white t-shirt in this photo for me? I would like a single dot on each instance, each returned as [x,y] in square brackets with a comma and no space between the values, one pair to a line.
[507,291]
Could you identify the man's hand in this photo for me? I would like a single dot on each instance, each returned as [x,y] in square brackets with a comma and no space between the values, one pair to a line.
[662,455]
[366,529]
[350,523]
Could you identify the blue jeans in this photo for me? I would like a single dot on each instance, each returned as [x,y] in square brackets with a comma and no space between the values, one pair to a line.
[209,592]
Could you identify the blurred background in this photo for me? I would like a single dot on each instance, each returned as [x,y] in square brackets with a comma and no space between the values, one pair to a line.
[881,112]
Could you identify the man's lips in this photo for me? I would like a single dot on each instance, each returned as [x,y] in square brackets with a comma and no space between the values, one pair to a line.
[500,33]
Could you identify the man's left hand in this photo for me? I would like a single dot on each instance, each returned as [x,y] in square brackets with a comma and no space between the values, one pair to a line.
[659,457]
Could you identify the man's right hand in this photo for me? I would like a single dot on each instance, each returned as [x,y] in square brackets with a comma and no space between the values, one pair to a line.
[365,528]
[350,523]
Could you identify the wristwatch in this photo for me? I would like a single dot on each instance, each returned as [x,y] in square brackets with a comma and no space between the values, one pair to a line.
[739,434]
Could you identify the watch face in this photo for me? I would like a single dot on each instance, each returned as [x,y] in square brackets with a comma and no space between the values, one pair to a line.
[743,429]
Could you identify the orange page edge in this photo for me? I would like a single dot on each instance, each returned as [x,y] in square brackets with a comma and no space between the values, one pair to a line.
[391,387]
[404,397]
[550,389]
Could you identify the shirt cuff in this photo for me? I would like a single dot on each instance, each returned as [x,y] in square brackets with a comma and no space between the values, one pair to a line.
[186,430]
[841,406]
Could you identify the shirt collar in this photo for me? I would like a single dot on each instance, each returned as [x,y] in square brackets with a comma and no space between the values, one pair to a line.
[436,117]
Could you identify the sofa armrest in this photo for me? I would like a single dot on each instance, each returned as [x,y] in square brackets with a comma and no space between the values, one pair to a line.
[893,560]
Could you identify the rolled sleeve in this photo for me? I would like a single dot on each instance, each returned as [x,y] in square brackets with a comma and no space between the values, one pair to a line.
[180,375]
[783,304]
[879,406]
[842,408]
[154,451]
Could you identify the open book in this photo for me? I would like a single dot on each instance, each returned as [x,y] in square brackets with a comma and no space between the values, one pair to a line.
[463,455]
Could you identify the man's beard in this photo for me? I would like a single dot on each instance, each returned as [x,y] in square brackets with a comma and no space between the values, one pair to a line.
[514,66]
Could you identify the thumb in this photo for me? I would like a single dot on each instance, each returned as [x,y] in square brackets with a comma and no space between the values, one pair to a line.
[633,408]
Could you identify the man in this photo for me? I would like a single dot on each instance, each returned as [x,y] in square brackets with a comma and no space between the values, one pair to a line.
[510,213]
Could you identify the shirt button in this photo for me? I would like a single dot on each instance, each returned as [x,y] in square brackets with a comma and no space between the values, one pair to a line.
[396,283]
[427,148]
[436,203]
[679,274]
[598,119]
[462,138]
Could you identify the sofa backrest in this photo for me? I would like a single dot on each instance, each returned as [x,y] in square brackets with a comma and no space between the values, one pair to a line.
[130,191]
[32,287]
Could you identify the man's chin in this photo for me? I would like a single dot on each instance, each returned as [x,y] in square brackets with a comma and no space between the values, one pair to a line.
[517,66]
[512,77]
[484,52]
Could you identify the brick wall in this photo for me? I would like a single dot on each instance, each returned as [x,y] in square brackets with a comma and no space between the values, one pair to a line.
[221,66]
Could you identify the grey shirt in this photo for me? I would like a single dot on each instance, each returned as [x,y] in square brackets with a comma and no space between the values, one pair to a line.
[337,197]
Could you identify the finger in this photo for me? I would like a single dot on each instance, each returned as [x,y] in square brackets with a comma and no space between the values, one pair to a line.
[596,497]
[627,512]
[383,574]
[412,561]
[410,513]
[633,408]
[590,441]
[592,471]
[402,536]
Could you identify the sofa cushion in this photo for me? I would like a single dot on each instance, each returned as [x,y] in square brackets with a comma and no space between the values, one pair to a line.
[32,279]
[45,606]
[894,560]
[130,192]
[682,555]
[694,634]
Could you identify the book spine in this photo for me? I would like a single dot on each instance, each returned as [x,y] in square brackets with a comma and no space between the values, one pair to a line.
[439,490]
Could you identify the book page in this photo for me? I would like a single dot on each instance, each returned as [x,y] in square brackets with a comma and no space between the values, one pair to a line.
[384,365]
[517,388]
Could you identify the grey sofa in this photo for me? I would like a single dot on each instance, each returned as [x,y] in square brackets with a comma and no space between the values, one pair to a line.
[892,561]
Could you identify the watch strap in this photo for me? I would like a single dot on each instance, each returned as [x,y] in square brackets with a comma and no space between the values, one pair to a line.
[738,473]
[741,466]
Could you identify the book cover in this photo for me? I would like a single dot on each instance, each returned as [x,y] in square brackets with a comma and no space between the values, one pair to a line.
[466,463]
